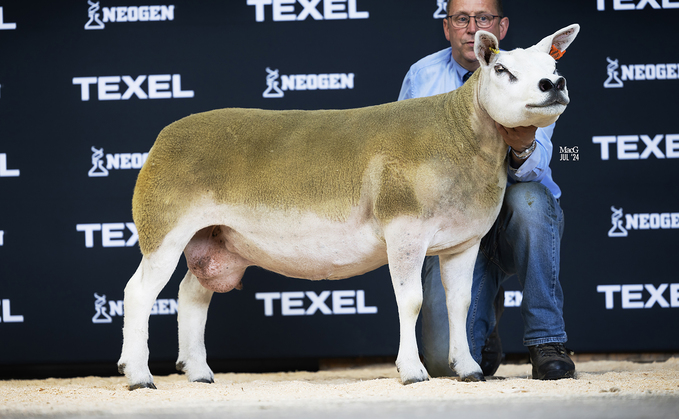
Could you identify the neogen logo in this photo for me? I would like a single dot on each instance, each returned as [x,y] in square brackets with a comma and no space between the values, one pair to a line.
[641,221]
[105,309]
[638,72]
[302,82]
[441,9]
[125,14]
[117,161]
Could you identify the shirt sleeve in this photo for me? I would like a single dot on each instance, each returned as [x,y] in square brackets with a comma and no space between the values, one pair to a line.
[536,167]
[407,87]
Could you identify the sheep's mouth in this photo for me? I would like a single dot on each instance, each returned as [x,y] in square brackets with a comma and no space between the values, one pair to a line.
[549,104]
[554,99]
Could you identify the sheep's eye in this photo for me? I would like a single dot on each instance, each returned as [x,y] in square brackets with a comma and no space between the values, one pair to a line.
[499,69]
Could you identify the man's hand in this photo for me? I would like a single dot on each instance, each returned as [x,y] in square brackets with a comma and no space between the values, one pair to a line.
[519,139]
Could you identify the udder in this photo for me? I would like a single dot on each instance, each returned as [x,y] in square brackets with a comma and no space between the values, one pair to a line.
[208,258]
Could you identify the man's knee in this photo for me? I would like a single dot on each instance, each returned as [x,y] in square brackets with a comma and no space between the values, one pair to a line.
[528,196]
[529,204]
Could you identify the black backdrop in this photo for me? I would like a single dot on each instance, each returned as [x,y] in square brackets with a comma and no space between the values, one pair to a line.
[73,134]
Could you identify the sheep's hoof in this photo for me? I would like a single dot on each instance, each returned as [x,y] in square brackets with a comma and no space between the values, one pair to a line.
[415,380]
[418,378]
[143,385]
[473,378]
[204,380]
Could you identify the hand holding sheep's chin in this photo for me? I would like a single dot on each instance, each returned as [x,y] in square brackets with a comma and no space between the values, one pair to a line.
[519,139]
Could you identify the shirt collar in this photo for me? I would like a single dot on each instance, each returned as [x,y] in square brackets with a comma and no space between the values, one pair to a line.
[459,70]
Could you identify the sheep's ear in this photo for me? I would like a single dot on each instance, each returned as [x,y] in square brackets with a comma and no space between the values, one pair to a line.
[486,47]
[556,44]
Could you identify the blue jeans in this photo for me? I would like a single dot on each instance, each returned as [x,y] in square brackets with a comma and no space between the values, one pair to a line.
[524,241]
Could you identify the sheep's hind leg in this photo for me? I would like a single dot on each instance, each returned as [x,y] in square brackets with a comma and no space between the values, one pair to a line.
[141,292]
[194,300]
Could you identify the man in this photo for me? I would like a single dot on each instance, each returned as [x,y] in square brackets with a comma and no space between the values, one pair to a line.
[525,239]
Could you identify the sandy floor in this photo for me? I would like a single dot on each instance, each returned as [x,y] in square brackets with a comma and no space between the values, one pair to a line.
[622,385]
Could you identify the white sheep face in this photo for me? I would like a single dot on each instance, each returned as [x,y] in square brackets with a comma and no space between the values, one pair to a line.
[522,87]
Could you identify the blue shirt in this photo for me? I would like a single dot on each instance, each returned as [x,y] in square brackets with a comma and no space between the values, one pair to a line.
[440,73]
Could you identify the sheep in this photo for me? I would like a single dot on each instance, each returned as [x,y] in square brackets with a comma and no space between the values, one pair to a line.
[331,194]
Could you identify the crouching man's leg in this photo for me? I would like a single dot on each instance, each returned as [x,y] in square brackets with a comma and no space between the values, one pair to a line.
[531,227]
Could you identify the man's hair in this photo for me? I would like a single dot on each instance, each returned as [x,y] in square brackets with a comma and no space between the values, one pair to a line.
[498,6]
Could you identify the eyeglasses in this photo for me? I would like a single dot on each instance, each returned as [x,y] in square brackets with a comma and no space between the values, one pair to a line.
[462,20]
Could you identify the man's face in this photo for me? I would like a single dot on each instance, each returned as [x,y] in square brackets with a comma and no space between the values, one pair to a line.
[462,40]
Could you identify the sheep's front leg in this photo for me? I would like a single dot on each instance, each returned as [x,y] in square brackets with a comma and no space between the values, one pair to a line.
[457,273]
[193,303]
[405,265]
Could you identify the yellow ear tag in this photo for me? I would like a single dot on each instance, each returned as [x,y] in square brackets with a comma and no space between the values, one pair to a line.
[556,53]
[494,51]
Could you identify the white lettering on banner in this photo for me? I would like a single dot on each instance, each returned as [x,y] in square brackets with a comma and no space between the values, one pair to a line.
[667,71]
[97,169]
[284,10]
[159,86]
[513,298]
[125,160]
[318,81]
[112,234]
[632,297]
[641,221]
[652,221]
[2,237]
[441,9]
[293,304]
[299,82]
[636,72]
[127,14]
[6,26]
[117,161]
[638,4]
[7,316]
[103,314]
[4,171]
[627,146]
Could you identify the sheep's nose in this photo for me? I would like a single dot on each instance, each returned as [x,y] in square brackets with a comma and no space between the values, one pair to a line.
[560,83]
[547,85]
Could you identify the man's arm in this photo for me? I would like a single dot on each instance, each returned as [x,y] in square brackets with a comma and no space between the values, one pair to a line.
[406,88]
[530,168]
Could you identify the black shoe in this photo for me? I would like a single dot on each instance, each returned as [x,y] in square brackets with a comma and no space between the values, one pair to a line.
[551,362]
[491,354]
